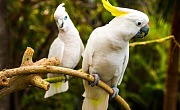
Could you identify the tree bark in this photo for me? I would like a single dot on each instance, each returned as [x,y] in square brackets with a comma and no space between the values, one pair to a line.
[4,45]
[42,69]
[171,90]
[20,78]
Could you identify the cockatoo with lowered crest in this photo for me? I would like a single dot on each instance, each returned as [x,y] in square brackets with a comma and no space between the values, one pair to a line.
[107,53]
[68,47]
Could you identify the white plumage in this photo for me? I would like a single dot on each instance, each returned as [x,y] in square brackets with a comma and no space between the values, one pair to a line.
[107,53]
[68,47]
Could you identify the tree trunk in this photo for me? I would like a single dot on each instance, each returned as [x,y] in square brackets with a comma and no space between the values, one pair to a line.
[4,44]
[171,91]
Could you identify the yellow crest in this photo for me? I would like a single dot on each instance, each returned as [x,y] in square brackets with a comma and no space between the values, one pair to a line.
[115,11]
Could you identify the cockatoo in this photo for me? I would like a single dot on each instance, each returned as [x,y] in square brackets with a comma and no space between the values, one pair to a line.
[68,47]
[107,52]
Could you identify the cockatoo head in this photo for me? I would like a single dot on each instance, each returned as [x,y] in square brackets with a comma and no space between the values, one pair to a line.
[134,22]
[62,18]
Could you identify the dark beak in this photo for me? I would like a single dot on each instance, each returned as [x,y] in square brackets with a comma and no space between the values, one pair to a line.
[60,23]
[143,31]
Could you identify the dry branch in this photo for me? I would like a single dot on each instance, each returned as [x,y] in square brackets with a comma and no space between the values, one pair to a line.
[29,74]
[18,82]
[3,80]
[155,41]
[60,70]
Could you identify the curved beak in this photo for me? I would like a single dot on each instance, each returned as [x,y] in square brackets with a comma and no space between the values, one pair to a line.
[143,31]
[60,23]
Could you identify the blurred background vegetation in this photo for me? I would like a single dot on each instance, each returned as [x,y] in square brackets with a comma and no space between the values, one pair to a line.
[31,23]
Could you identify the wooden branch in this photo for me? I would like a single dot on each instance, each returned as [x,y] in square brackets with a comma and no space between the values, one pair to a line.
[60,70]
[55,79]
[18,82]
[29,74]
[3,80]
[152,41]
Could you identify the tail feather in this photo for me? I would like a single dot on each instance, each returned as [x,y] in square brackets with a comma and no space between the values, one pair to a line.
[95,98]
[56,88]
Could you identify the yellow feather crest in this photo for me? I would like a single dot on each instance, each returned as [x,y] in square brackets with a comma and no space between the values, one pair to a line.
[114,10]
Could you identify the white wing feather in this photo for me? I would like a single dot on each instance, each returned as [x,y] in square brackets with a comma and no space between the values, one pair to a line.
[56,50]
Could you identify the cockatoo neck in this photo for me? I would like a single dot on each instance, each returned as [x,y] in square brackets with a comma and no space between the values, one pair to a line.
[68,33]
[121,28]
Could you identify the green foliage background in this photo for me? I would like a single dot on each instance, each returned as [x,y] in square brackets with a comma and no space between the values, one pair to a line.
[32,24]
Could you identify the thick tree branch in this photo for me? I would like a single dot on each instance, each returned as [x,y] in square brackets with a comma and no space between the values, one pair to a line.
[16,82]
[29,74]
[60,70]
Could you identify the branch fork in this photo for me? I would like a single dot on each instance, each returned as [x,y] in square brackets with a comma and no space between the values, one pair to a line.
[15,82]
[30,74]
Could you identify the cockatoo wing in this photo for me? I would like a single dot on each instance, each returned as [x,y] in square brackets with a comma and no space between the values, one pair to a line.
[56,50]
[124,65]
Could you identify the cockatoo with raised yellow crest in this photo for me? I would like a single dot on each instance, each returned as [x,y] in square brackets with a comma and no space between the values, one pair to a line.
[68,47]
[107,53]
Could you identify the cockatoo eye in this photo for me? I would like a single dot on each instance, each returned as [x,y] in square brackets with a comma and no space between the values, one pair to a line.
[65,17]
[138,23]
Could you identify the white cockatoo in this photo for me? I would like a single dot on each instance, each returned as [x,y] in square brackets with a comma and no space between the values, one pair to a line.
[68,47]
[107,53]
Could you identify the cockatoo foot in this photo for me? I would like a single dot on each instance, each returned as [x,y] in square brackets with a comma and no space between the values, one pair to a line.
[116,91]
[66,78]
[96,80]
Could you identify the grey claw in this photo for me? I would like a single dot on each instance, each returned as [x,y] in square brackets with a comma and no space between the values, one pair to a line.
[116,91]
[96,80]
